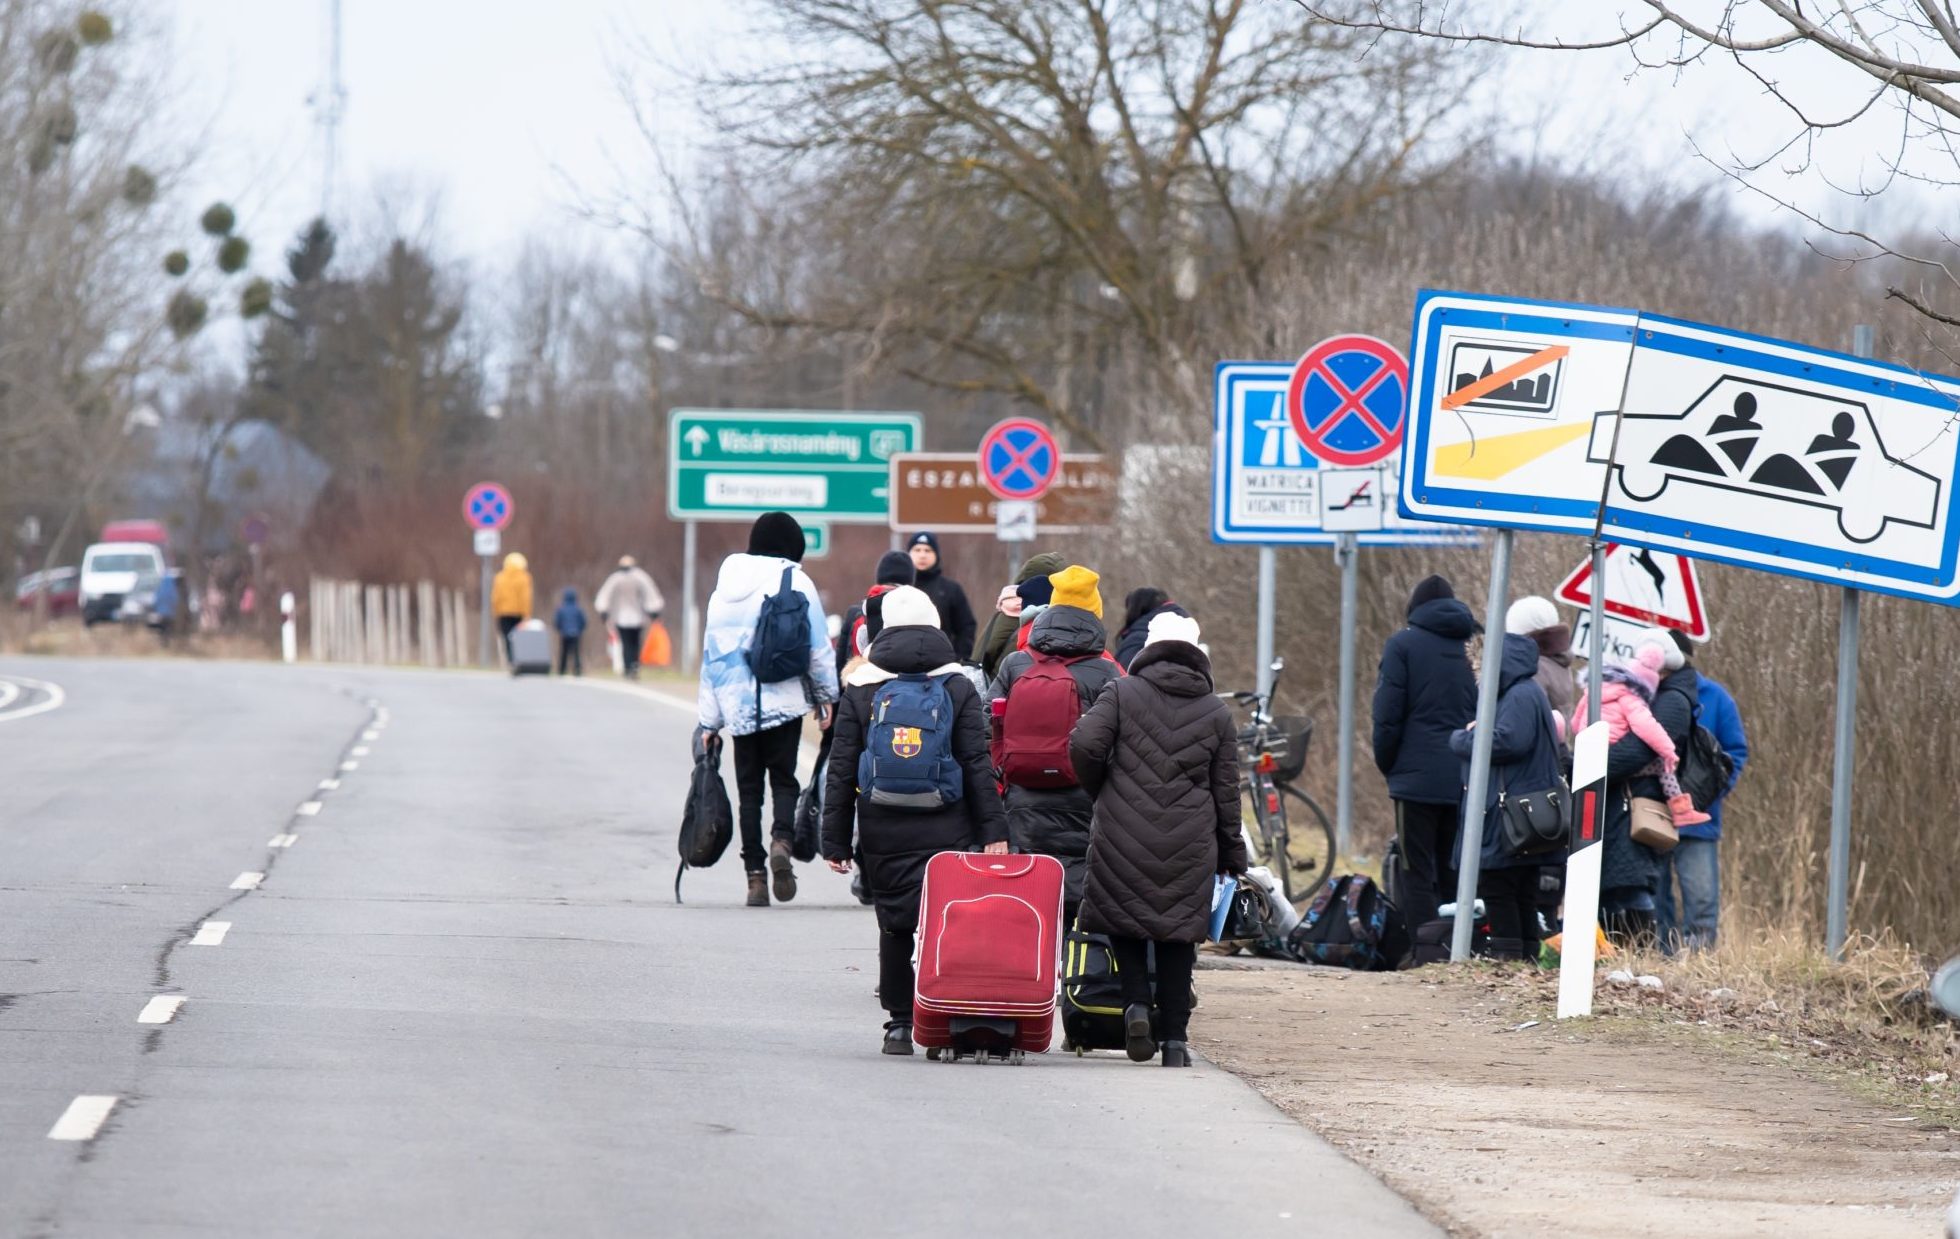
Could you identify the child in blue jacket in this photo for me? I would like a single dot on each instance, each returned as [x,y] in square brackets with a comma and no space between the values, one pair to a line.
[570,622]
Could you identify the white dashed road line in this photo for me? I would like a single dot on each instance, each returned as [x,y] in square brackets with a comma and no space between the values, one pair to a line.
[247,881]
[211,933]
[83,1117]
[310,809]
[360,750]
[282,841]
[370,735]
[159,1010]
[350,765]
[329,785]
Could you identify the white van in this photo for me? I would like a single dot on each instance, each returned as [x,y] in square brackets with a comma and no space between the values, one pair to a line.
[112,570]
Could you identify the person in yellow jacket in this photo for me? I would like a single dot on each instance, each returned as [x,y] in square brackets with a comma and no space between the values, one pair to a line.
[510,597]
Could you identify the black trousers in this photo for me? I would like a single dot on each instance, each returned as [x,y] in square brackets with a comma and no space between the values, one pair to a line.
[504,624]
[767,756]
[1511,904]
[631,642]
[1174,963]
[570,655]
[1427,833]
[895,979]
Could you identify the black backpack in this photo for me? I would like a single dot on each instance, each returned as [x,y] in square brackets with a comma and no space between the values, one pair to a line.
[1705,769]
[781,648]
[708,823]
[1350,925]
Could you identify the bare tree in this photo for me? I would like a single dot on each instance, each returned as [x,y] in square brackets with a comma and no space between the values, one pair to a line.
[992,195]
[1905,52]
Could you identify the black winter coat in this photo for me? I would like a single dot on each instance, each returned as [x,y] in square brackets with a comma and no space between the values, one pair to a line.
[1524,749]
[1159,753]
[1424,692]
[955,615]
[1129,643]
[894,843]
[1055,821]
[1626,865]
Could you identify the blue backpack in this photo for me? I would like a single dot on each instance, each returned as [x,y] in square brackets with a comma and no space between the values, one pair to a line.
[780,649]
[908,760]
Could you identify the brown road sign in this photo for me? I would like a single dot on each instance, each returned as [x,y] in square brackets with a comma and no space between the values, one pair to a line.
[943,492]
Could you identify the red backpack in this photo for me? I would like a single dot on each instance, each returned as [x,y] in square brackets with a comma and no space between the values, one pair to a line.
[1042,709]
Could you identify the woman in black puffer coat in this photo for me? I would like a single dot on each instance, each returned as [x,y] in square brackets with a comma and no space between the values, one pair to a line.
[897,843]
[1159,753]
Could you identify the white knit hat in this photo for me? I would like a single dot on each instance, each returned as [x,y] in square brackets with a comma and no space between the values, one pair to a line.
[908,607]
[1170,626]
[1529,615]
[1671,656]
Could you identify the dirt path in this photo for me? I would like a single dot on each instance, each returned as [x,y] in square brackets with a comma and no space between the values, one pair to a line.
[1619,1130]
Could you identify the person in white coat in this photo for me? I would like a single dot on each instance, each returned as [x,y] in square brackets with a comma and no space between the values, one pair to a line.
[766,719]
[629,601]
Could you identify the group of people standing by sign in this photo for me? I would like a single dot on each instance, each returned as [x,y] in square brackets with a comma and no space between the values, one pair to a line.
[1425,706]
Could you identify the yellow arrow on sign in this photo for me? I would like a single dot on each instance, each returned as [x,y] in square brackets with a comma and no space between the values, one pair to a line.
[1493,456]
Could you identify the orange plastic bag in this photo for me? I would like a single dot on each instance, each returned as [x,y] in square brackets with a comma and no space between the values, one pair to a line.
[658,651]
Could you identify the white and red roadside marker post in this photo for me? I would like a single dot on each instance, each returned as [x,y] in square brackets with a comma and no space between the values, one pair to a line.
[1577,956]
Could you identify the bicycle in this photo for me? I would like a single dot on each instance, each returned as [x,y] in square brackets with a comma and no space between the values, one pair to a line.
[1272,756]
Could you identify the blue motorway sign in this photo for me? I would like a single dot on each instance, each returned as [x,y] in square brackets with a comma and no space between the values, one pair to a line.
[1270,486]
[1707,442]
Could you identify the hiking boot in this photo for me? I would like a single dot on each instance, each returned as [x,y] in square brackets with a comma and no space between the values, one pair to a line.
[783,877]
[1176,1054]
[898,1037]
[1138,1042]
[758,890]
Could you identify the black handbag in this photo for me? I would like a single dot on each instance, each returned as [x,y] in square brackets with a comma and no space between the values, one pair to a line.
[1535,823]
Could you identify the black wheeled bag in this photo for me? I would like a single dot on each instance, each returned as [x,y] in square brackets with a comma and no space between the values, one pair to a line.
[1092,993]
[1433,940]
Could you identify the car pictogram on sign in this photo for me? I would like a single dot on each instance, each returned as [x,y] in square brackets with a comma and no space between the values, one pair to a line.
[1781,443]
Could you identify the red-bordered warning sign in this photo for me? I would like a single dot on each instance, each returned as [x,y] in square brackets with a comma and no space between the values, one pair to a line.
[1655,588]
[1349,400]
[1019,459]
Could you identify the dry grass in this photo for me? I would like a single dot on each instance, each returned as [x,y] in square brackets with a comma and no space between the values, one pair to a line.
[68,639]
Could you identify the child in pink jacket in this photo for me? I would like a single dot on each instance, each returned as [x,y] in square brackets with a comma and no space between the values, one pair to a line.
[1626,700]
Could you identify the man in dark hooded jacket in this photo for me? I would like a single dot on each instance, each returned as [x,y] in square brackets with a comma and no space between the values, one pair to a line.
[1424,692]
[1054,821]
[948,597]
[998,638]
[896,843]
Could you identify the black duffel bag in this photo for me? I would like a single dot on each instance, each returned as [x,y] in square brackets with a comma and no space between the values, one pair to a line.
[708,822]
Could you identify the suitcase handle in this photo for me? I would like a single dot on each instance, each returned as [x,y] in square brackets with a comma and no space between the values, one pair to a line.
[1007,865]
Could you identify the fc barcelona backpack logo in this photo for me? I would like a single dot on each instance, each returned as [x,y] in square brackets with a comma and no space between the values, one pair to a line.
[906,741]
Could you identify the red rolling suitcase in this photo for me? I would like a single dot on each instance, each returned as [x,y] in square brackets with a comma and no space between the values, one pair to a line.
[989,941]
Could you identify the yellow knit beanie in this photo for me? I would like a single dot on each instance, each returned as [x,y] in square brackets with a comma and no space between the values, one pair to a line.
[1075,586]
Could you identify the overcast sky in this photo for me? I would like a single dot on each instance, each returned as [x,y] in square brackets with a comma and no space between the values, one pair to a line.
[493,104]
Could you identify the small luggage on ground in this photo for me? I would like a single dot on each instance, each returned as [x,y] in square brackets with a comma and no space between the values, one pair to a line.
[1433,940]
[1092,994]
[988,945]
[530,649]
[807,837]
[1350,925]
[708,822]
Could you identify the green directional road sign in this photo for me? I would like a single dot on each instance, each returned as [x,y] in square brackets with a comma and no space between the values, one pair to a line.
[816,540]
[734,464]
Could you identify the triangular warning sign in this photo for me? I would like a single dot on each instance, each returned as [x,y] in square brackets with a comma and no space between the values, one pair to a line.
[1645,587]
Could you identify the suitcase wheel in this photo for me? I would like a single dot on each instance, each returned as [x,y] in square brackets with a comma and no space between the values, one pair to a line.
[935,1054]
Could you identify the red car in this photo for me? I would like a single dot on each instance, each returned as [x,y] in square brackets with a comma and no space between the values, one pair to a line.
[63,587]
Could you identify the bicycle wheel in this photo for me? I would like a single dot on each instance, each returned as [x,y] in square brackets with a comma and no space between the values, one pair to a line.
[1311,848]
[1266,841]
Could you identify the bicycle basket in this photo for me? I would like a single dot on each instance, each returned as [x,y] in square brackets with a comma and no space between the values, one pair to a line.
[1295,731]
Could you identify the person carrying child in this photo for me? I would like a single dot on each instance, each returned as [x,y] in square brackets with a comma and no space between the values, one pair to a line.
[1626,703]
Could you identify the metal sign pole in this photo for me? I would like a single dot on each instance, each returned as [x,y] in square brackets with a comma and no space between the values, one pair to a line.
[1471,858]
[1596,643]
[1844,746]
[1350,560]
[690,615]
[1268,582]
[483,656]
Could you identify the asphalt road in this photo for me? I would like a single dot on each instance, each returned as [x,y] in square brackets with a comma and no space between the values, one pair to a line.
[460,1000]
